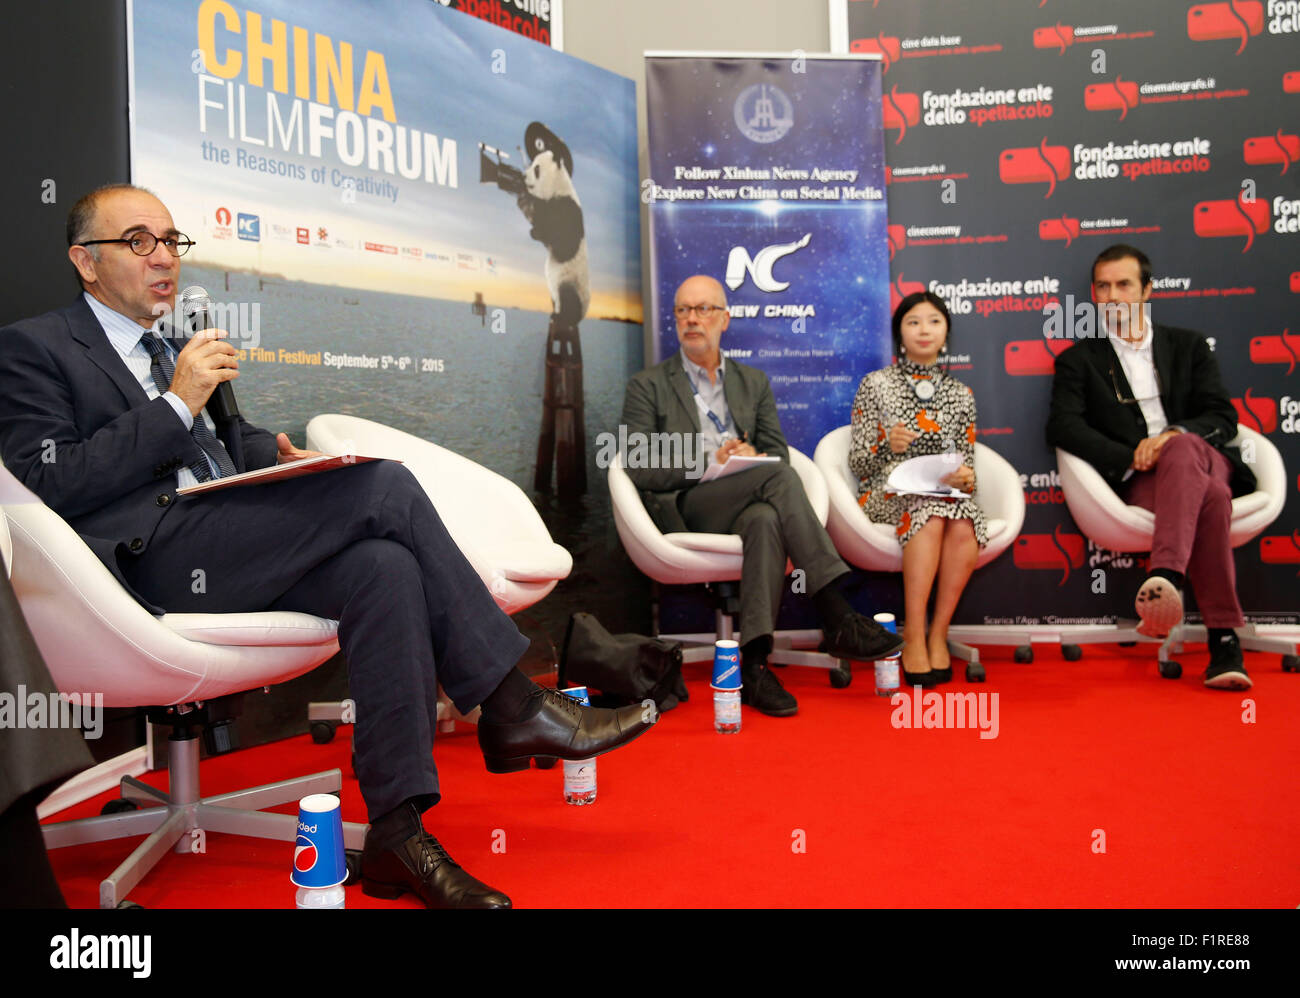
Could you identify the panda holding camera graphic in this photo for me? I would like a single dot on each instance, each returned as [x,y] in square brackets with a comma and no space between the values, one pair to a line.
[550,203]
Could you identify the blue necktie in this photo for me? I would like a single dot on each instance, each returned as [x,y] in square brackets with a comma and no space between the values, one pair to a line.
[163,370]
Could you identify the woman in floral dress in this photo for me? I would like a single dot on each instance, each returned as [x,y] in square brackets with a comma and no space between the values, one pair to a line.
[913,408]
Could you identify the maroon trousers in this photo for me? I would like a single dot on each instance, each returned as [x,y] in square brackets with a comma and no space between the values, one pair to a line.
[1189,492]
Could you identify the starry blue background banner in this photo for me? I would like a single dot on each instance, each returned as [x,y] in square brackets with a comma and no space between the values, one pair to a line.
[769,174]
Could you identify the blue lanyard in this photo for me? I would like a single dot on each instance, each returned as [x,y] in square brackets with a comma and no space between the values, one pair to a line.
[722,429]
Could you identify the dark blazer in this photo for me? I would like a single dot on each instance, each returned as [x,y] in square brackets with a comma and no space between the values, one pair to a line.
[1089,421]
[78,430]
[660,400]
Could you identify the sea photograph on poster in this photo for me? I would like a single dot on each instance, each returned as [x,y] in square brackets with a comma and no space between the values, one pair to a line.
[1023,138]
[392,207]
[768,174]
[329,168]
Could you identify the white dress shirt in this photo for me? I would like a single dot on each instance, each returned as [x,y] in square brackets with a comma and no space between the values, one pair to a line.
[1138,362]
[125,335]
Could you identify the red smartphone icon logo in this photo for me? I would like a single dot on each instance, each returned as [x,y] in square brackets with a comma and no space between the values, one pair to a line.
[1033,357]
[1279,550]
[1065,228]
[1213,219]
[900,289]
[1257,413]
[1291,82]
[1117,96]
[1058,551]
[1239,19]
[1284,349]
[901,111]
[889,49]
[1280,148]
[1035,164]
[1059,36]
[897,239]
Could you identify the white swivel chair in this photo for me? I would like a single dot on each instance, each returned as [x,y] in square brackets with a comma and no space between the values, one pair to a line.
[98,641]
[1109,522]
[492,521]
[875,547]
[714,560]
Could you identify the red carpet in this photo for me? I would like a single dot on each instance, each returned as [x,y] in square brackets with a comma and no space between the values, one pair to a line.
[836,807]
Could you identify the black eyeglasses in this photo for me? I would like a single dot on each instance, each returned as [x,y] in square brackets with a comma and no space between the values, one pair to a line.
[682,311]
[144,243]
[1119,395]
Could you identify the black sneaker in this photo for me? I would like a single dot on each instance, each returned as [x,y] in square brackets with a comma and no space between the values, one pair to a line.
[761,690]
[1226,670]
[861,640]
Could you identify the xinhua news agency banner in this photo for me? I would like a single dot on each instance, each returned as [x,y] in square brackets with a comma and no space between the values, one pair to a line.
[1024,138]
[767,172]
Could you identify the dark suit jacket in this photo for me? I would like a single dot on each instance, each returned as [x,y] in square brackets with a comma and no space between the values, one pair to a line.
[1089,421]
[78,430]
[660,400]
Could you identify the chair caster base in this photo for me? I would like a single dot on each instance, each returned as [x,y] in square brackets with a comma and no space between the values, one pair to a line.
[974,672]
[1291,663]
[1024,653]
[322,732]
[1071,653]
[1171,670]
[842,675]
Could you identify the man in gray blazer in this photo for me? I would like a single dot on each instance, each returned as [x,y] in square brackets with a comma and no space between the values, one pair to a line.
[721,409]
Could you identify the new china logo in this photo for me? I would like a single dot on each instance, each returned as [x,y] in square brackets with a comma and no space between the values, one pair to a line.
[1237,217]
[1119,95]
[250,228]
[1058,551]
[1240,19]
[1035,165]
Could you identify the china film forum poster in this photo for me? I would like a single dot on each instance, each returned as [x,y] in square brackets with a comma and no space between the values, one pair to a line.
[353,174]
[767,172]
[1022,139]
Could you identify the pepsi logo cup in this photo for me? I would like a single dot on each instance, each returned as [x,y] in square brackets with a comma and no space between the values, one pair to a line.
[726,665]
[318,859]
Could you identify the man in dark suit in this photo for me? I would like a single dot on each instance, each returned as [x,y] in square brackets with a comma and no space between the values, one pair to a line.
[1144,404]
[105,421]
[728,408]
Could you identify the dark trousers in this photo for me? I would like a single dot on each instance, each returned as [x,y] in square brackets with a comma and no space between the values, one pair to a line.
[768,508]
[364,546]
[1189,493]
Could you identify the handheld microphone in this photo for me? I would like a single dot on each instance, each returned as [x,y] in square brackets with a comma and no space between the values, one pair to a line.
[194,302]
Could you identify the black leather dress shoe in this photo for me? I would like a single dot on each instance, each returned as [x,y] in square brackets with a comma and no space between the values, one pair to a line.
[861,639]
[421,866]
[761,690]
[561,729]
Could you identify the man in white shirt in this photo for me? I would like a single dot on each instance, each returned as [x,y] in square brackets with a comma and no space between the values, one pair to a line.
[1145,405]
